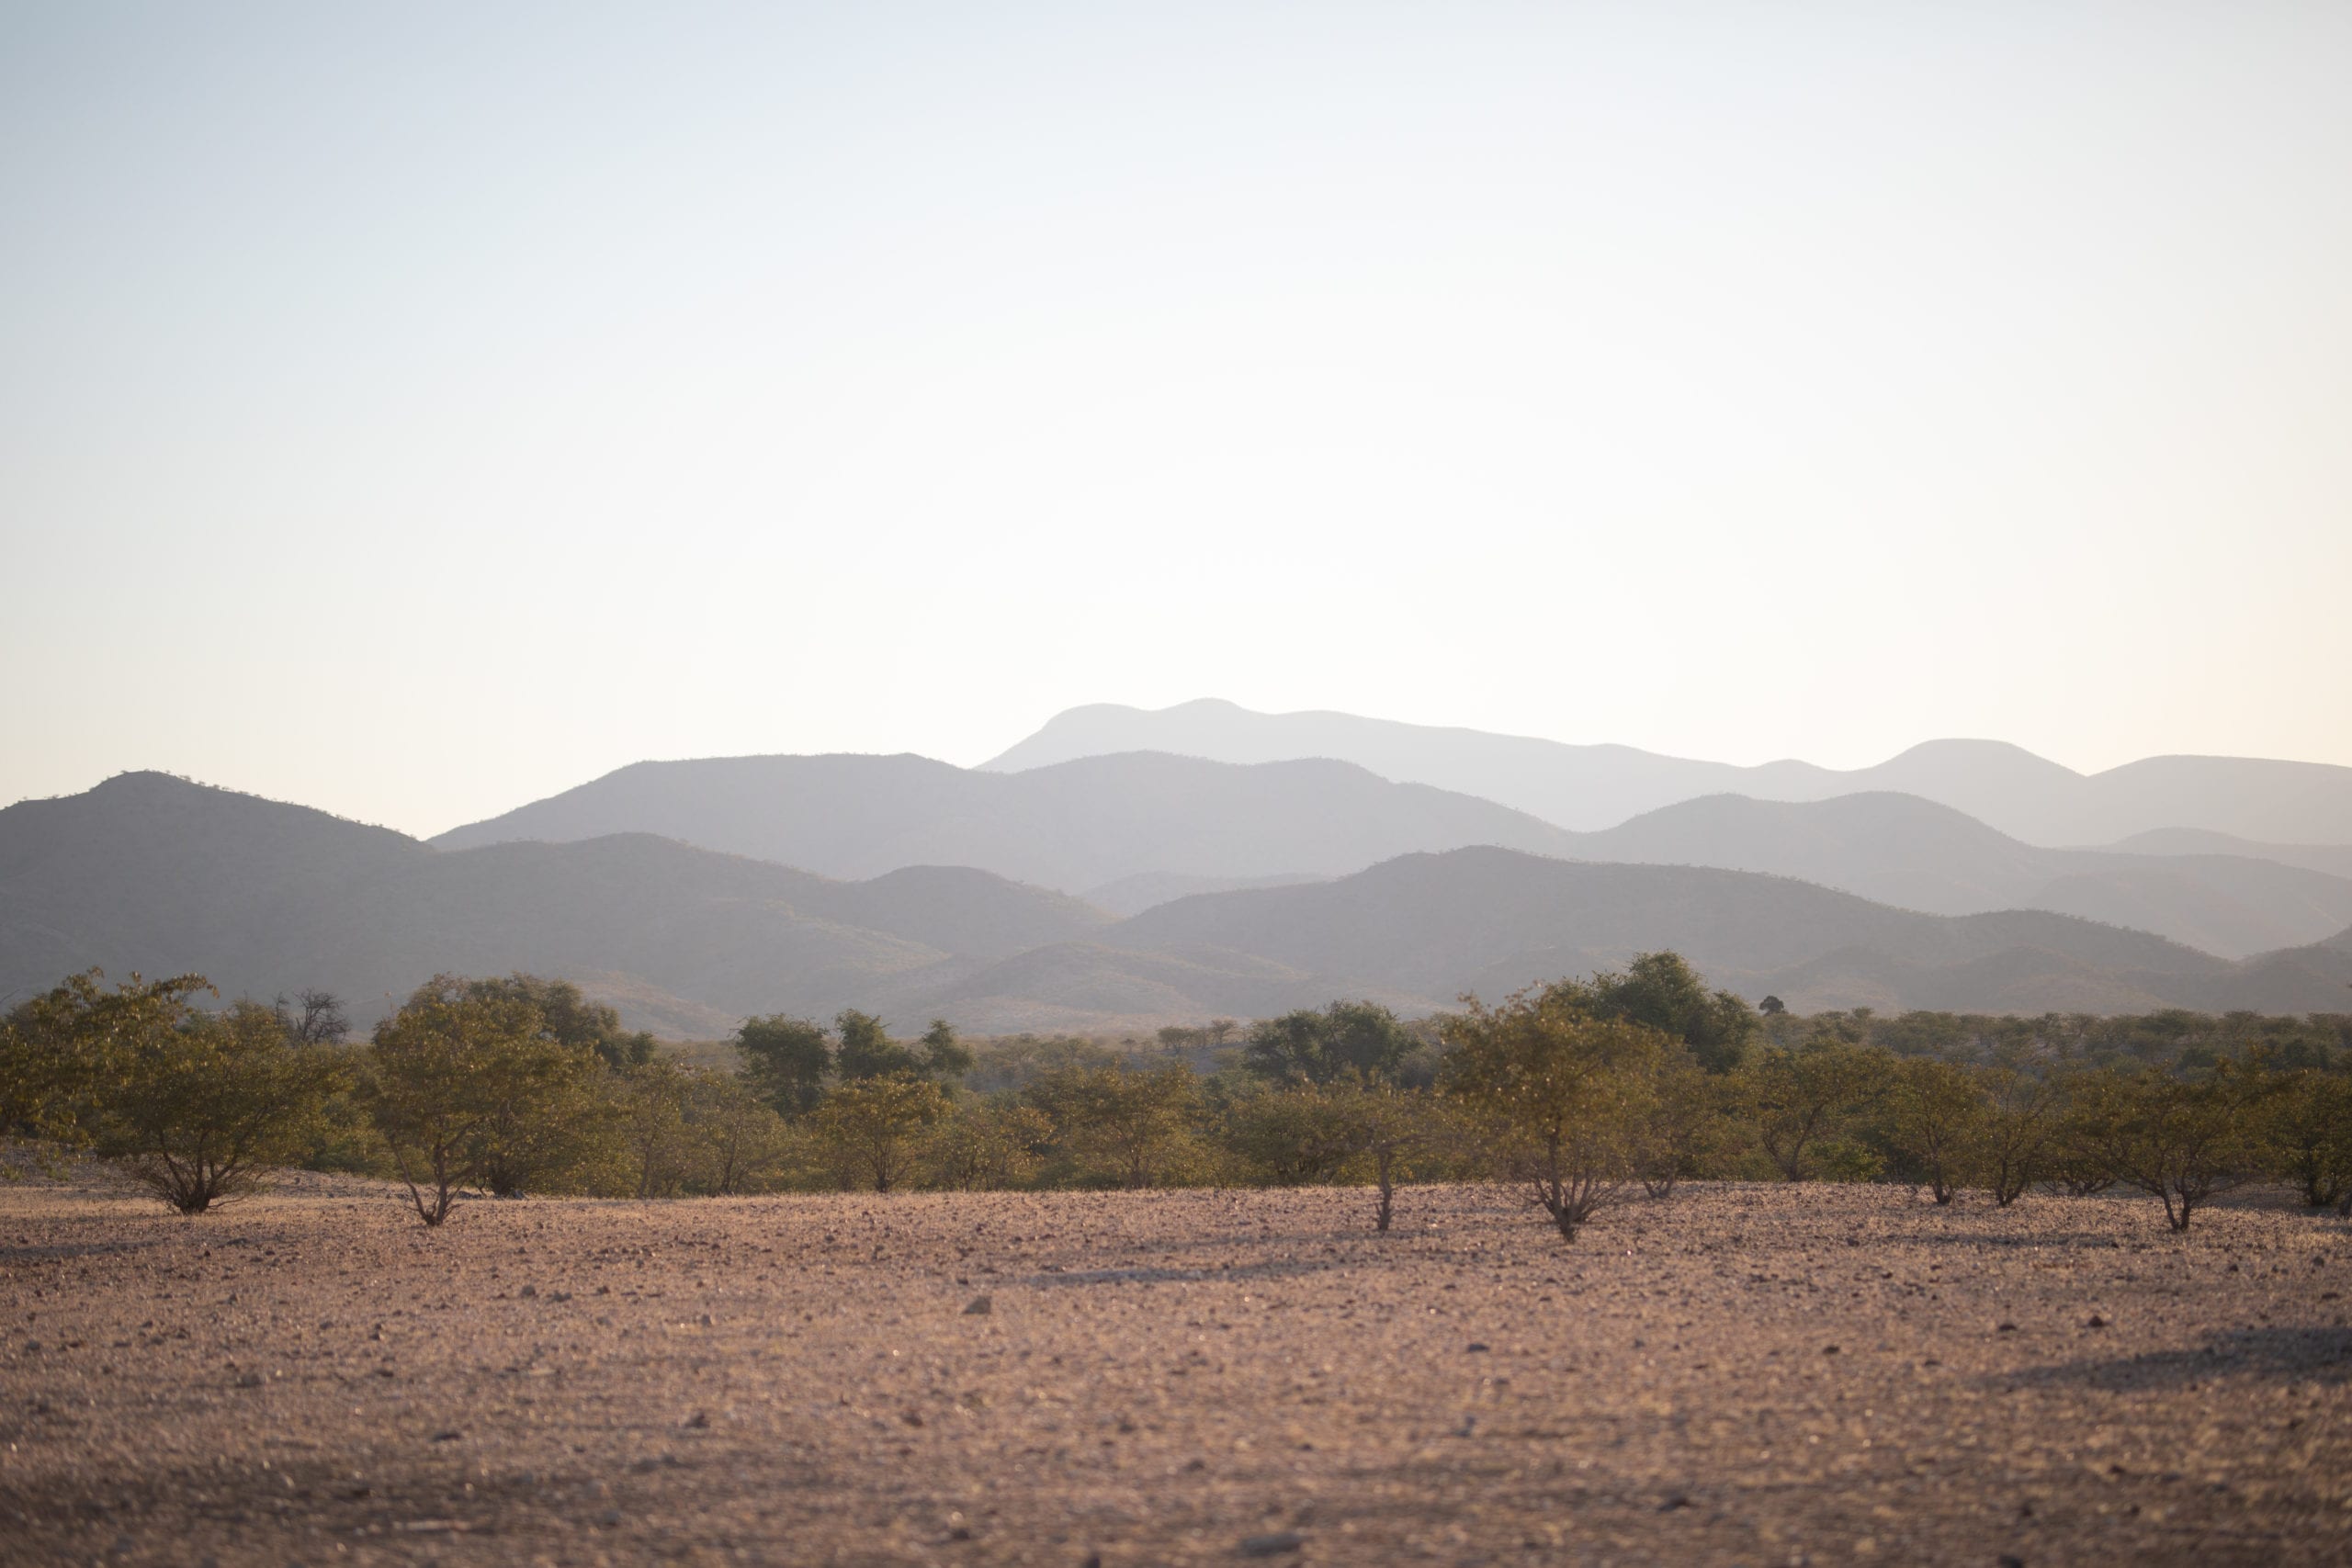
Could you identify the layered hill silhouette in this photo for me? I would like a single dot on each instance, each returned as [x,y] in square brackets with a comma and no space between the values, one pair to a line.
[1490,920]
[1133,829]
[1075,826]
[1902,849]
[154,873]
[2333,859]
[1591,787]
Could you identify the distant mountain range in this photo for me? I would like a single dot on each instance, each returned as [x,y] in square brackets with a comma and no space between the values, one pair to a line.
[1590,787]
[1131,830]
[155,873]
[1074,826]
[151,873]
[1900,849]
[1489,921]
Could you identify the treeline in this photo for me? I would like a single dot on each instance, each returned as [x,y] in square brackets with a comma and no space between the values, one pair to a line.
[1575,1095]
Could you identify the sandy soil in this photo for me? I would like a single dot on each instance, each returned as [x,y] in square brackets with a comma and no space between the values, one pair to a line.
[1756,1375]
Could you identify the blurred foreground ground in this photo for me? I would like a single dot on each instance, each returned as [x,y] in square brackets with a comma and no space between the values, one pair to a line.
[1754,1375]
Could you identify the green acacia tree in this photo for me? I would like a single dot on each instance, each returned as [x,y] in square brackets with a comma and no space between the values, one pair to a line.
[1797,1101]
[201,1115]
[2179,1139]
[738,1139]
[866,1050]
[195,1106]
[1312,1047]
[945,1057]
[1662,990]
[1298,1134]
[785,1061]
[2025,1103]
[988,1145]
[1561,1092]
[2302,1120]
[1398,1133]
[1682,1131]
[1935,1118]
[452,1075]
[63,1053]
[1139,1125]
[873,1127]
[650,1113]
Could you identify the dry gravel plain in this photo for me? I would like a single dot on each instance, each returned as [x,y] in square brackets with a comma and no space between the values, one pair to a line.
[1735,1374]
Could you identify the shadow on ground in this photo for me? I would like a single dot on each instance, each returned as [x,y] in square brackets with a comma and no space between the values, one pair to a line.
[2323,1355]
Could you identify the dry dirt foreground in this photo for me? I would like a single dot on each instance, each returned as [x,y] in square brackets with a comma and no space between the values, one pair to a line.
[1758,1375]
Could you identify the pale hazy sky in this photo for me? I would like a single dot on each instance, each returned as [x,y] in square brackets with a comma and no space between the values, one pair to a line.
[415,409]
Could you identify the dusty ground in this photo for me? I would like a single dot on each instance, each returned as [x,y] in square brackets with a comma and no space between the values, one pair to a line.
[1753,1375]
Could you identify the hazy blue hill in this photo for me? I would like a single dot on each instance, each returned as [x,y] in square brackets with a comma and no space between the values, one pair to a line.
[1091,986]
[842,814]
[1431,923]
[151,870]
[1074,826]
[1592,787]
[158,874]
[1580,787]
[956,908]
[1491,920]
[1134,895]
[2336,860]
[1896,849]
[725,932]
[1902,849]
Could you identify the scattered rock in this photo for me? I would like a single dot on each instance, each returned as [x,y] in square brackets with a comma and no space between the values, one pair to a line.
[698,1420]
[1829,1350]
[979,1306]
[527,1292]
[1678,1501]
[1274,1545]
[2095,1320]
[1475,1349]
[2005,1329]
[448,1437]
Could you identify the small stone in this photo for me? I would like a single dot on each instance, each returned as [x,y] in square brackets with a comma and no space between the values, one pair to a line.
[1829,1350]
[2095,1320]
[449,1437]
[698,1420]
[912,1417]
[708,1321]
[980,1306]
[1678,1501]
[527,1292]
[2006,1329]
[250,1379]
[610,1519]
[1476,1348]
[1274,1545]
[32,1346]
